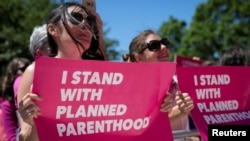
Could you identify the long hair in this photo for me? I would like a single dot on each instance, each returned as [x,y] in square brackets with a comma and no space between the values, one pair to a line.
[94,52]
[15,68]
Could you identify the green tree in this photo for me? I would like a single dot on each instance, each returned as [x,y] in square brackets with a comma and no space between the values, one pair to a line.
[18,18]
[174,31]
[110,45]
[216,26]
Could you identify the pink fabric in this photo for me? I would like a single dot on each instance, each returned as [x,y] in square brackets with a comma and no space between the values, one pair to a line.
[10,121]
[15,88]
[8,115]
[3,136]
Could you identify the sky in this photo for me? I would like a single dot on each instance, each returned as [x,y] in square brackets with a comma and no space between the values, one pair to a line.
[125,19]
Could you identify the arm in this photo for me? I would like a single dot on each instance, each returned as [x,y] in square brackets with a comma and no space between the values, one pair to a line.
[27,108]
[15,88]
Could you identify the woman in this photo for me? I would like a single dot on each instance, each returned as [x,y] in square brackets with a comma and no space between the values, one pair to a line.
[73,34]
[235,56]
[150,47]
[14,70]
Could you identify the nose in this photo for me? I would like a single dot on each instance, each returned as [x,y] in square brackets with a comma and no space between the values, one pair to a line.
[163,47]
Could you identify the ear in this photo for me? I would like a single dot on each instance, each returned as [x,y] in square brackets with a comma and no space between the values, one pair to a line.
[52,30]
[138,58]
[39,52]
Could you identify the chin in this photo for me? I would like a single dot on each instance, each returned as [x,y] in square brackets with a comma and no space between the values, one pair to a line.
[163,59]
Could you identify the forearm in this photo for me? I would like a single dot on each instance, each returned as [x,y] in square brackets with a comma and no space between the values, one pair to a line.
[27,133]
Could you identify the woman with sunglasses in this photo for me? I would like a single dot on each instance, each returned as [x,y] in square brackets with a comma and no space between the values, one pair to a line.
[73,33]
[150,47]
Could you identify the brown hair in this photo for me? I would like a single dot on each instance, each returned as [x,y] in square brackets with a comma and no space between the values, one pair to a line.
[138,43]
[15,68]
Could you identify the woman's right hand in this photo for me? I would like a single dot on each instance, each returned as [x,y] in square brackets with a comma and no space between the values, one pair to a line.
[28,108]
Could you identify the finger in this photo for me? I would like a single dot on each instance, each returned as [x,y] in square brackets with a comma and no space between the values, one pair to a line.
[166,108]
[30,113]
[38,114]
[28,99]
[186,108]
[27,107]
[27,104]
[166,103]
[167,98]
[178,93]
[32,96]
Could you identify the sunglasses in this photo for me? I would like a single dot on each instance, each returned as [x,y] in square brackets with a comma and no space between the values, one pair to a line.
[76,18]
[155,45]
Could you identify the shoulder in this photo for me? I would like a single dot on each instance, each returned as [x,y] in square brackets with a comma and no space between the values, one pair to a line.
[29,71]
[26,81]
[31,67]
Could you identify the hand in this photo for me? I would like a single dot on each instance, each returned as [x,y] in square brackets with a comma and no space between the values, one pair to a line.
[167,104]
[184,102]
[28,109]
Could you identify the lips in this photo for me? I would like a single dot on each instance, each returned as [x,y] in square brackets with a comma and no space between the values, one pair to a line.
[163,58]
[84,35]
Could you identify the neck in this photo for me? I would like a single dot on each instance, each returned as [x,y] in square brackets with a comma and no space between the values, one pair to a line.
[76,56]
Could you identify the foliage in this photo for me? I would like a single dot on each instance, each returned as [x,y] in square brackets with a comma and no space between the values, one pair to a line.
[110,45]
[216,26]
[18,18]
[174,31]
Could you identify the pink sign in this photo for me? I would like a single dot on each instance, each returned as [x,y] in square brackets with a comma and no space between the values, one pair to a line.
[221,95]
[96,100]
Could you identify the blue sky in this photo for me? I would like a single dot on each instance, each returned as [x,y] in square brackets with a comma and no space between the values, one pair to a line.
[126,18]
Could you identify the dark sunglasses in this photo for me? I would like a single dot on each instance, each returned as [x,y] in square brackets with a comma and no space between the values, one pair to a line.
[76,18]
[155,45]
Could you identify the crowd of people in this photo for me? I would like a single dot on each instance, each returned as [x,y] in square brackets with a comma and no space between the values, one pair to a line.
[72,24]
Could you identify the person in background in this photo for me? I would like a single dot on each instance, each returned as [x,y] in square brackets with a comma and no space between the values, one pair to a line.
[209,63]
[39,45]
[235,56]
[14,69]
[125,57]
[150,47]
[248,55]
[3,136]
